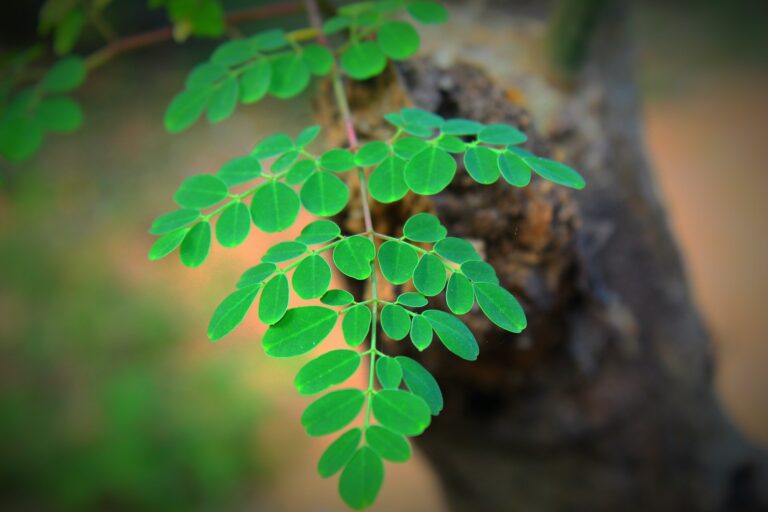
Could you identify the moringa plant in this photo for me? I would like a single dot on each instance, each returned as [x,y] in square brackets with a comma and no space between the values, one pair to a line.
[267,187]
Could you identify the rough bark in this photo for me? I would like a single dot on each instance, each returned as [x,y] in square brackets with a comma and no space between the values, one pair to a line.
[605,402]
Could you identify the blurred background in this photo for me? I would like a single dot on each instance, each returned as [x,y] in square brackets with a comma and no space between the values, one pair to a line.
[111,395]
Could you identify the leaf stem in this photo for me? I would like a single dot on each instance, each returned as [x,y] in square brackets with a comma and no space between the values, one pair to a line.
[346,115]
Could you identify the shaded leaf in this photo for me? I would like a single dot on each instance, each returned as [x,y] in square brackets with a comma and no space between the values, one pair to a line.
[453,333]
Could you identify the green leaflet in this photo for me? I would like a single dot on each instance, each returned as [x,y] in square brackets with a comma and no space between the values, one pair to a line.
[255,82]
[388,372]
[386,183]
[312,277]
[461,127]
[424,227]
[61,115]
[20,137]
[299,331]
[273,145]
[557,173]
[274,300]
[482,164]
[233,225]
[417,116]
[332,412]
[337,160]
[514,169]
[361,479]
[421,332]
[501,134]
[500,307]
[356,324]
[223,101]
[290,76]
[185,108]
[430,171]
[231,312]
[451,144]
[272,39]
[479,272]
[65,76]
[453,333]
[459,294]
[395,321]
[429,276]
[284,161]
[372,153]
[408,147]
[324,194]
[457,250]
[327,370]
[166,244]
[427,12]
[339,453]
[412,299]
[307,135]
[300,171]
[201,191]
[239,170]
[275,207]
[318,232]
[387,444]
[397,261]
[363,60]
[422,383]
[235,52]
[337,298]
[401,411]
[353,257]
[398,40]
[204,75]
[318,58]
[256,275]
[172,221]
[284,251]
[196,244]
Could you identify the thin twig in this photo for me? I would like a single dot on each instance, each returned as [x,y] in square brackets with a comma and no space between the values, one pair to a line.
[163,34]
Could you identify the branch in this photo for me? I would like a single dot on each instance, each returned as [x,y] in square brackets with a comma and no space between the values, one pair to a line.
[163,34]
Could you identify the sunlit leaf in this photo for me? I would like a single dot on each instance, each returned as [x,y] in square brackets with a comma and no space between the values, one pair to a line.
[356,324]
[395,321]
[274,300]
[298,331]
[353,257]
[401,411]
[429,276]
[332,412]
[500,307]
[339,453]
[231,312]
[275,207]
[453,333]
[312,277]
[422,383]
[327,370]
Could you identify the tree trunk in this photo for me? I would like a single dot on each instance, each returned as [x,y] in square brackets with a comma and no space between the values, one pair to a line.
[605,402]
